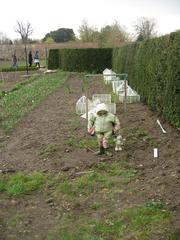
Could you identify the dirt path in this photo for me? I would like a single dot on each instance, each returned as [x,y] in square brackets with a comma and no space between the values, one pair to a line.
[40,142]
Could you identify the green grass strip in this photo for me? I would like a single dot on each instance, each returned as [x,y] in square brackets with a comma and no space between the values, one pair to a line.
[138,222]
[19,85]
[102,176]
[20,68]
[21,184]
[17,104]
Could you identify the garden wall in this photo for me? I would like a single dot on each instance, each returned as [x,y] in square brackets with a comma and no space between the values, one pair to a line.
[6,51]
[153,68]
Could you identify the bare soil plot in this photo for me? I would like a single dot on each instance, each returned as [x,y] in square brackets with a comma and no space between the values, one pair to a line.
[47,140]
[9,79]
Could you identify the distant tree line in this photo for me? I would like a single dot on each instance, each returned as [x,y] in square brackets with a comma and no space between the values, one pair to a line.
[108,36]
[4,39]
[59,36]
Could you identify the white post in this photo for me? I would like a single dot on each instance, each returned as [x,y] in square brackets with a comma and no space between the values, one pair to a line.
[155,152]
[86,94]
[125,94]
[86,107]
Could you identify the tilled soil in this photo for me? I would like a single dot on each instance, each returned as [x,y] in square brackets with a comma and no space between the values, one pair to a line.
[54,123]
[8,79]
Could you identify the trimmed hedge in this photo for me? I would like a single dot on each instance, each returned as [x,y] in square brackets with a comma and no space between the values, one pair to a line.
[19,68]
[53,59]
[81,60]
[153,68]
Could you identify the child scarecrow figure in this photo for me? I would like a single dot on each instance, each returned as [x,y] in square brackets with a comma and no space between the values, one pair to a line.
[103,124]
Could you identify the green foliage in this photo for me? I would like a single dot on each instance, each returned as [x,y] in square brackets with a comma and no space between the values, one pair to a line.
[2,147]
[115,169]
[88,33]
[143,220]
[153,68]
[114,97]
[138,222]
[90,142]
[18,86]
[53,59]
[75,124]
[96,197]
[50,149]
[82,143]
[21,184]
[61,35]
[102,176]
[26,97]
[67,89]
[15,220]
[81,60]
[174,236]
[155,205]
[113,35]
[139,134]
[49,40]
[108,36]
[20,68]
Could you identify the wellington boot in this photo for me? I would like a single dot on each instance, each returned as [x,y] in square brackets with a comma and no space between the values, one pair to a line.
[101,151]
[108,153]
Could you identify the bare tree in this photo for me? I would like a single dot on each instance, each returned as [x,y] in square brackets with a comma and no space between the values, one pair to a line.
[108,36]
[145,28]
[4,39]
[25,30]
[113,35]
[88,33]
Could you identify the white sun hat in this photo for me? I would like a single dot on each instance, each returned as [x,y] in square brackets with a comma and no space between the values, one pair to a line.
[101,107]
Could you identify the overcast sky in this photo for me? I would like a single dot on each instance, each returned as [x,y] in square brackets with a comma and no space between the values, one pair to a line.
[46,16]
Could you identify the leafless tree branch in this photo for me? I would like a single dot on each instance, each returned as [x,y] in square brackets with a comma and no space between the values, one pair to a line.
[25,30]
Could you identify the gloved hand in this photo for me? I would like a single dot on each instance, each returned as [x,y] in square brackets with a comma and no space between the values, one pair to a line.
[116,129]
[91,131]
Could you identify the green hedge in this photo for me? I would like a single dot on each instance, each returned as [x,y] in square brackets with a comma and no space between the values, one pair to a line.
[19,68]
[81,60]
[53,59]
[153,68]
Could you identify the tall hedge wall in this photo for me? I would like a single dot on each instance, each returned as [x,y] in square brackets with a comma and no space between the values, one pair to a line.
[153,68]
[53,59]
[81,60]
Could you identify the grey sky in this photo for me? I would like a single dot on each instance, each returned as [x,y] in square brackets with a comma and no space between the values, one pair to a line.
[46,16]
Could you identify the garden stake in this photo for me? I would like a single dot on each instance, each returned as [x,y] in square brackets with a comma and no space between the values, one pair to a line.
[158,122]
